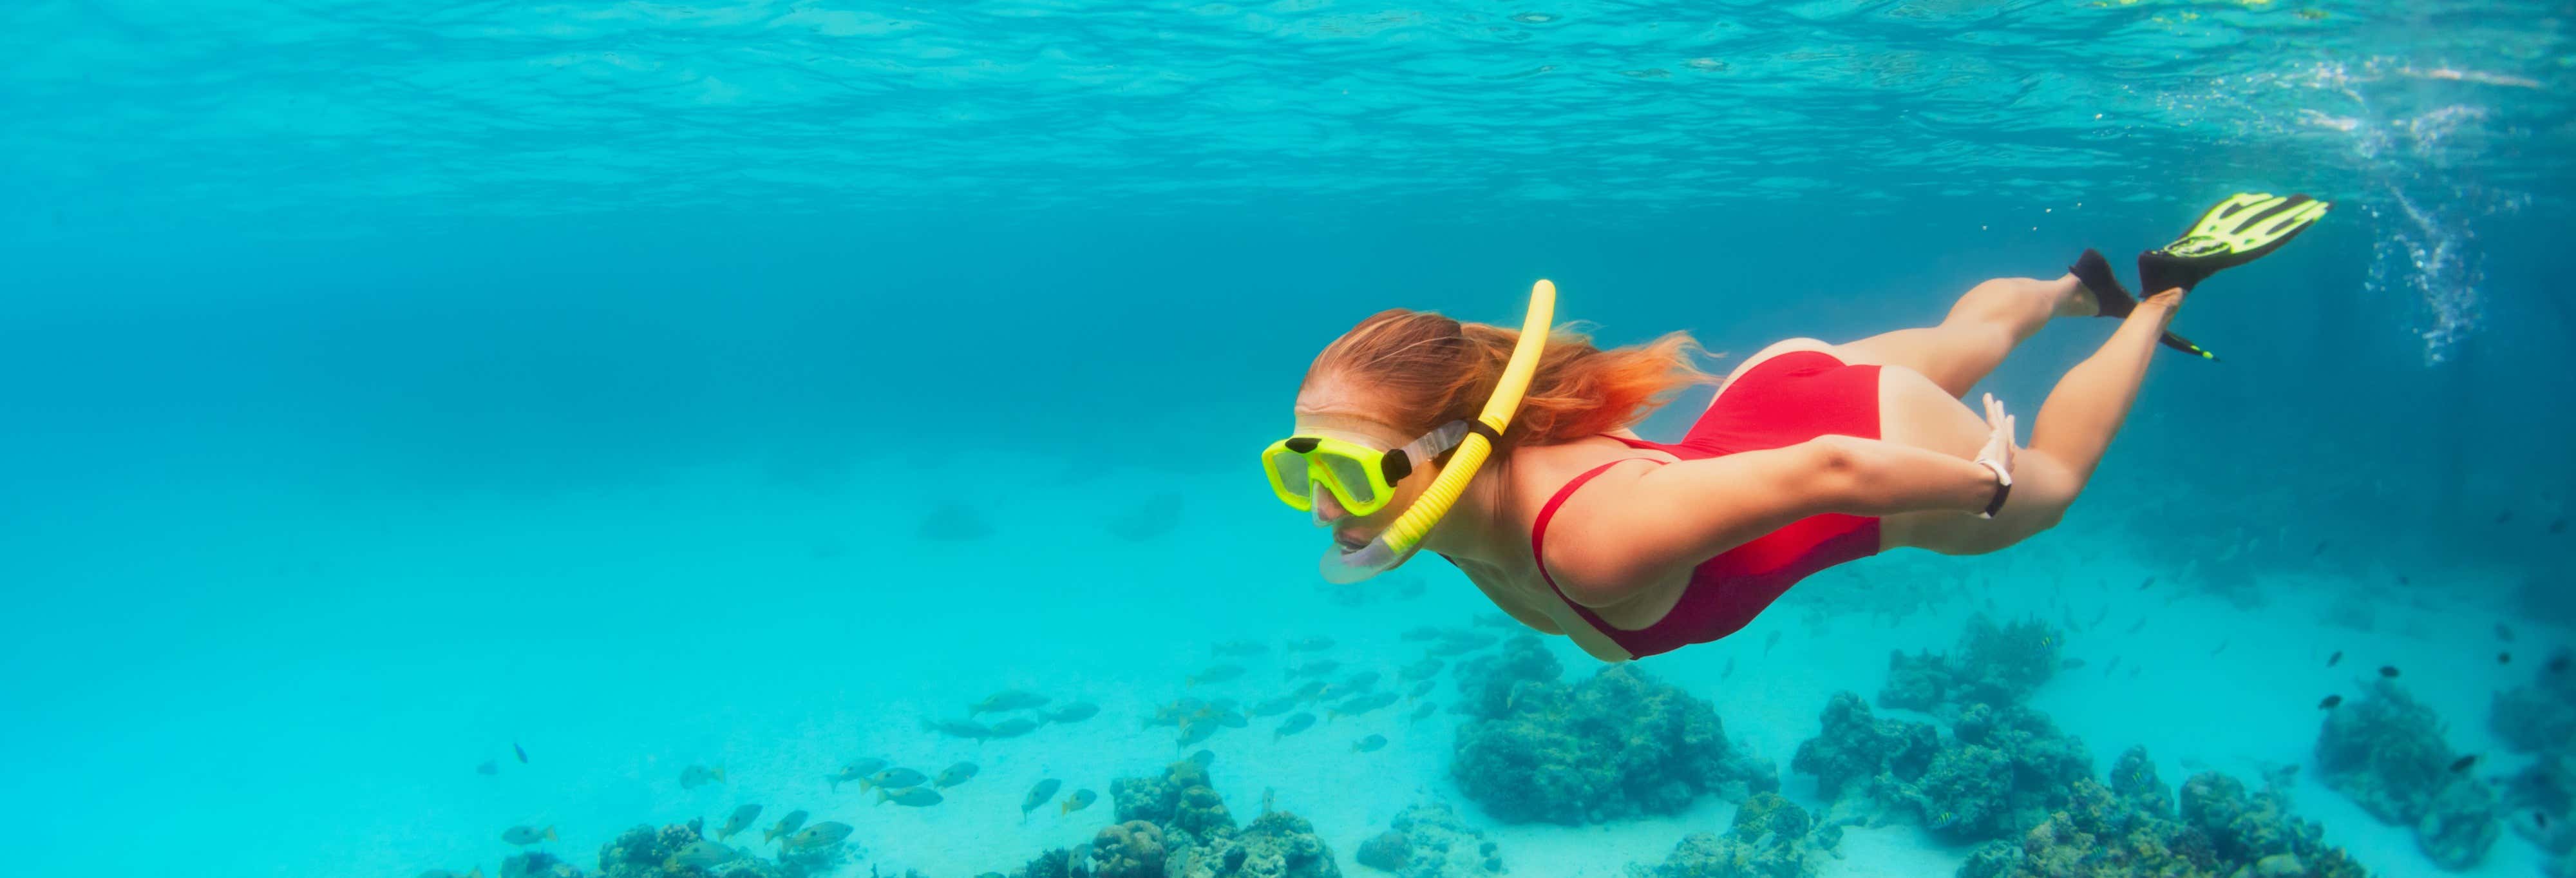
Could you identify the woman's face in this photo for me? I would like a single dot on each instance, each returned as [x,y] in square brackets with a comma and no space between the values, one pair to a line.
[1347,411]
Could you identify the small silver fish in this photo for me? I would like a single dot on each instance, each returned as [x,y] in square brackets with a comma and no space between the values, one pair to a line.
[785,826]
[489,767]
[1294,724]
[527,835]
[1014,727]
[956,774]
[701,854]
[1369,744]
[894,777]
[1038,795]
[820,835]
[696,776]
[856,772]
[1218,674]
[1008,699]
[1074,712]
[916,797]
[1079,800]
[741,820]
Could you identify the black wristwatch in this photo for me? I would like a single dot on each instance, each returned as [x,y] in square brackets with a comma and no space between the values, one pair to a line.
[2003,487]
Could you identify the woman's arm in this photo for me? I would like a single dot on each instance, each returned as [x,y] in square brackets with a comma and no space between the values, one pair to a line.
[1652,526]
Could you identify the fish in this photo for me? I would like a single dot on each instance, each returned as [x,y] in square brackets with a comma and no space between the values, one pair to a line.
[2332,659]
[1217,674]
[1456,645]
[1196,731]
[1730,668]
[2504,658]
[1203,758]
[488,768]
[1275,706]
[2330,702]
[2504,632]
[1423,712]
[1079,800]
[956,774]
[1007,699]
[2073,664]
[958,728]
[739,821]
[700,854]
[1014,727]
[1073,713]
[1362,704]
[856,772]
[2222,647]
[1425,669]
[2389,671]
[2558,526]
[893,777]
[1362,681]
[2099,617]
[1308,692]
[2558,664]
[1316,668]
[522,751]
[1038,795]
[1172,714]
[820,835]
[1420,689]
[912,797]
[2140,626]
[1773,640]
[2113,666]
[785,826]
[2143,585]
[1311,644]
[696,776]
[1496,620]
[2504,516]
[1368,744]
[1241,649]
[2321,548]
[527,835]
[1298,722]
[2462,764]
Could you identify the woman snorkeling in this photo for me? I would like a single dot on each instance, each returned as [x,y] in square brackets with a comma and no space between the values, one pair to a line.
[1812,454]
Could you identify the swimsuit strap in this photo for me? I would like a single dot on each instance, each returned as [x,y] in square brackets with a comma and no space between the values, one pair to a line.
[1538,529]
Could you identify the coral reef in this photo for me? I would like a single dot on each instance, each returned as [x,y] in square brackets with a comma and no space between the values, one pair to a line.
[2001,772]
[1771,838]
[2221,832]
[1133,849]
[1485,683]
[1856,746]
[1176,826]
[1429,841]
[2385,752]
[1181,802]
[645,852]
[1994,665]
[1613,746]
[2541,715]
[2542,799]
[537,864]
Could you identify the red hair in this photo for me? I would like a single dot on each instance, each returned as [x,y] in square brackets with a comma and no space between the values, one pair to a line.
[1433,370]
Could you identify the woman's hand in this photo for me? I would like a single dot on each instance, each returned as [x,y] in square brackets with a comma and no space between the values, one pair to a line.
[1999,436]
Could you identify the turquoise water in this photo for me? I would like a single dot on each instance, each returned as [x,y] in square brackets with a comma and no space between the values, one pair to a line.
[743,384]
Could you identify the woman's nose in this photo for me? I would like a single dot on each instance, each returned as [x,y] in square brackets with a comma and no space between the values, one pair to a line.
[1327,508]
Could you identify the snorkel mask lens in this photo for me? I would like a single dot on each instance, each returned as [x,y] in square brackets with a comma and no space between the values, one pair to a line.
[1361,478]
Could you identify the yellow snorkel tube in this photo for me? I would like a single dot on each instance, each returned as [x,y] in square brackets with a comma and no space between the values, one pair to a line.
[1405,536]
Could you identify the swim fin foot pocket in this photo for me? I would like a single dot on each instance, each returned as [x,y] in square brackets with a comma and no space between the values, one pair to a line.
[2113,300]
[2238,230]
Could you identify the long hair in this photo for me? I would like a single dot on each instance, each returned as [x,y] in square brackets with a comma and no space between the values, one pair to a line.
[1433,370]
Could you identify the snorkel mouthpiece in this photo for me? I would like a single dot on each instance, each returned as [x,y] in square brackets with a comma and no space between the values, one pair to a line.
[1404,537]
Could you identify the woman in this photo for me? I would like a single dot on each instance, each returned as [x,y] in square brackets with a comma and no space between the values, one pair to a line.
[1812,454]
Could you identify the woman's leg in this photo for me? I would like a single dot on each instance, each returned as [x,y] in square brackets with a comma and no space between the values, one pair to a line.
[2067,441]
[1984,326]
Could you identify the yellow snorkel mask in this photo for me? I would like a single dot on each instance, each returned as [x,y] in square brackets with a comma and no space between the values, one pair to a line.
[1363,479]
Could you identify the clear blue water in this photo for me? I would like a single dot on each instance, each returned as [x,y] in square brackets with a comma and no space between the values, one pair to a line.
[387,383]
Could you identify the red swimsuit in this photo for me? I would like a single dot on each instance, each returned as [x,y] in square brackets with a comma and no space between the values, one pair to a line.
[1788,399]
